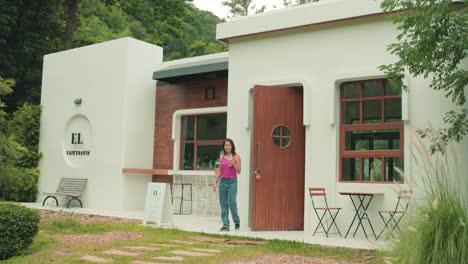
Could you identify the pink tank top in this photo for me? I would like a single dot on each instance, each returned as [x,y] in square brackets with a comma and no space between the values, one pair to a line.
[226,170]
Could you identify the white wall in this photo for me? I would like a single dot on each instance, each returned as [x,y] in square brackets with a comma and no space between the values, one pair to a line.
[320,59]
[113,79]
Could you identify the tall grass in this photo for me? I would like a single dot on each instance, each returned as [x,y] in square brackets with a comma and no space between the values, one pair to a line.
[436,229]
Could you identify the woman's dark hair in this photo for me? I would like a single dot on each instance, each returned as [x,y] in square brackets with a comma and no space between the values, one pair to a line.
[233,149]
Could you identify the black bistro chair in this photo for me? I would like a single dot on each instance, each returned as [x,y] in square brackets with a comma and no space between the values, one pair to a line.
[325,214]
[392,218]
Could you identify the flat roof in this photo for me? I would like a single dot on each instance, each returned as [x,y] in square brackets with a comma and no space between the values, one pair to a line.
[172,70]
[324,11]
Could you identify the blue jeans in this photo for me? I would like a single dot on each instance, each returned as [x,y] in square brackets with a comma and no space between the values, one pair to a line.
[227,200]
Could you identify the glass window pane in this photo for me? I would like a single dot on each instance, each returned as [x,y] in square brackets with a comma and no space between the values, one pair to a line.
[277,131]
[285,131]
[372,139]
[208,156]
[393,110]
[372,88]
[187,156]
[351,113]
[393,169]
[351,90]
[277,141]
[391,90]
[395,144]
[286,142]
[372,111]
[381,144]
[356,141]
[211,127]
[188,128]
[350,169]
[372,169]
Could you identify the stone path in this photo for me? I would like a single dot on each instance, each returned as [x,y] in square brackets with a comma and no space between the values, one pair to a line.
[142,248]
[170,258]
[178,254]
[121,253]
[148,250]
[183,242]
[96,259]
[143,262]
[190,253]
[164,245]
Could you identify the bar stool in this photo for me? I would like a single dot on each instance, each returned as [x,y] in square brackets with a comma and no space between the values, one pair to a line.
[178,180]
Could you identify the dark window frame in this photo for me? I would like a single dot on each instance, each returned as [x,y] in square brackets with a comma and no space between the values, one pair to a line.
[196,142]
[362,154]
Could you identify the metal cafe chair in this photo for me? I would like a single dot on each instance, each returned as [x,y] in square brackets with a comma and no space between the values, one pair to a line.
[392,218]
[325,214]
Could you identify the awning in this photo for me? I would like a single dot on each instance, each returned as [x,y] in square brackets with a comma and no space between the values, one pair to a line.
[197,66]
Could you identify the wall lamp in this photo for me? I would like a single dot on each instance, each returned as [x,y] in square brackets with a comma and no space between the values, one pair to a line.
[77,101]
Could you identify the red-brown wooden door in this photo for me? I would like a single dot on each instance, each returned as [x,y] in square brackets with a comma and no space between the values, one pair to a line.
[278,171]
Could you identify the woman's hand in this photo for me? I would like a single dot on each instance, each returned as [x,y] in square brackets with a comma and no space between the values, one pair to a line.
[237,163]
[214,187]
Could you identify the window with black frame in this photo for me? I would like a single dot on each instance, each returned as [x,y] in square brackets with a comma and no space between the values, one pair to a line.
[201,140]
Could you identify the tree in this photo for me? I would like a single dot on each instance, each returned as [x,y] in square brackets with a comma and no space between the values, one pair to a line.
[18,164]
[433,41]
[242,7]
[9,148]
[71,13]
[287,3]
[28,30]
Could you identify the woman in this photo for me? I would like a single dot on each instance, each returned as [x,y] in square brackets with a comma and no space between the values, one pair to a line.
[226,175]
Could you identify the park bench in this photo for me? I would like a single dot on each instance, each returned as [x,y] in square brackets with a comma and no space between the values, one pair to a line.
[69,187]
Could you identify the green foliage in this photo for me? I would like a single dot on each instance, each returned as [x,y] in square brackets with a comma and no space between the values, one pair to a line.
[102,23]
[9,148]
[19,151]
[287,3]
[18,184]
[433,41]
[18,226]
[6,86]
[25,125]
[28,30]
[242,7]
[436,231]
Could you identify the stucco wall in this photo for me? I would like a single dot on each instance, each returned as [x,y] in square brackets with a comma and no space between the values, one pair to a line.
[320,59]
[113,79]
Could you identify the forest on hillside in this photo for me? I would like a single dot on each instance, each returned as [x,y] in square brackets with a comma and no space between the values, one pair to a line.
[30,29]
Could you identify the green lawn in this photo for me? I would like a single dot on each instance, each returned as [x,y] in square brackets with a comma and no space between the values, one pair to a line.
[65,240]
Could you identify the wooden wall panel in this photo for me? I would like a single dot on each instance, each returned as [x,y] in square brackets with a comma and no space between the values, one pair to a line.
[170,98]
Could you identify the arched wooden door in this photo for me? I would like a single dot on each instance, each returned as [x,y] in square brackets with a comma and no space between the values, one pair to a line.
[278,159]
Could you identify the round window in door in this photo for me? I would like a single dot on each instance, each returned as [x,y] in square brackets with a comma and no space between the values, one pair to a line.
[281,136]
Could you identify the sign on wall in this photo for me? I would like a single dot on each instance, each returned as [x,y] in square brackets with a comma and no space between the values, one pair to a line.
[78,141]
[158,205]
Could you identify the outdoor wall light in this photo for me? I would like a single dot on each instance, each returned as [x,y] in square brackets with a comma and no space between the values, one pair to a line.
[78,101]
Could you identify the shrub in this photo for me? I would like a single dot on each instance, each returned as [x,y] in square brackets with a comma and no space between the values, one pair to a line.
[18,226]
[18,184]
[436,231]
[25,125]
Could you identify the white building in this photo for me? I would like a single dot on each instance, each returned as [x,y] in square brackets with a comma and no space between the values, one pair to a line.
[299,93]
